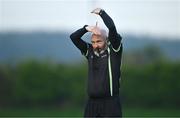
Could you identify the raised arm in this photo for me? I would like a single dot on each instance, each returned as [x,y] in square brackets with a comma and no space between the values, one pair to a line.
[113,36]
[78,42]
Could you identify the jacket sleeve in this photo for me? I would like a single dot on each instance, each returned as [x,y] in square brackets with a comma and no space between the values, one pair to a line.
[78,42]
[113,36]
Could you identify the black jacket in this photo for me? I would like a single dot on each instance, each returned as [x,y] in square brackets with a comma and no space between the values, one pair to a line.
[104,70]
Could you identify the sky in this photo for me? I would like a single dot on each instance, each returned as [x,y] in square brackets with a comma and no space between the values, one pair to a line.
[154,17]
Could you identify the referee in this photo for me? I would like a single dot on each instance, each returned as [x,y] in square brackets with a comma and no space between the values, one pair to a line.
[104,62]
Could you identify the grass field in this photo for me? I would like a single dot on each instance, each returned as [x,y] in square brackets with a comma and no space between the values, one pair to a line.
[72,112]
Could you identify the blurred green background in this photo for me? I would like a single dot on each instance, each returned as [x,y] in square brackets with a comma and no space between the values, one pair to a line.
[149,87]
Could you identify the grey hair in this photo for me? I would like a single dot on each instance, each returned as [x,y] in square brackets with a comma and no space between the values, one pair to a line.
[103,33]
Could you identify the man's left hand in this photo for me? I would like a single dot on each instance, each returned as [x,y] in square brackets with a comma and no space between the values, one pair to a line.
[96,11]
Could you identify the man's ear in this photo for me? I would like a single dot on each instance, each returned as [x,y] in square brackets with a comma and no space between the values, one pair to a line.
[107,41]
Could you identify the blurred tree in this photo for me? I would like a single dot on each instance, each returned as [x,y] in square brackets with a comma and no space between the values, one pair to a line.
[148,54]
[153,85]
[6,84]
[36,83]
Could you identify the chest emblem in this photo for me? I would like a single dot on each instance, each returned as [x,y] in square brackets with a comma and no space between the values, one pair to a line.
[104,56]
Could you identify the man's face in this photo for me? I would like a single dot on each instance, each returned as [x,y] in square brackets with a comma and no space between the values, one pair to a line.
[98,42]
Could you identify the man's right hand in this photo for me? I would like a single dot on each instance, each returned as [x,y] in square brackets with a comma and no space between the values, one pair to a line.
[93,29]
[89,28]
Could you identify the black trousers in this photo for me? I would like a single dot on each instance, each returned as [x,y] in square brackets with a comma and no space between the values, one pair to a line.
[103,107]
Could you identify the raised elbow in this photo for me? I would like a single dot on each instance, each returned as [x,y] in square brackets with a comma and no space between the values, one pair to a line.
[72,36]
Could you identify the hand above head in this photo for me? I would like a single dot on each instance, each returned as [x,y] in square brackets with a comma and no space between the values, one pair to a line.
[97,11]
[89,28]
[93,29]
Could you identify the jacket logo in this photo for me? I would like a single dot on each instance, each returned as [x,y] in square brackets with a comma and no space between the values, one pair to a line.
[103,56]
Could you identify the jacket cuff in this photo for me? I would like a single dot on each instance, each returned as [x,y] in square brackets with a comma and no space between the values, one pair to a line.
[84,28]
[101,12]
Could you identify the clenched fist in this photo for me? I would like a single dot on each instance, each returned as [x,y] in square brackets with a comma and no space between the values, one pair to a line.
[97,11]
